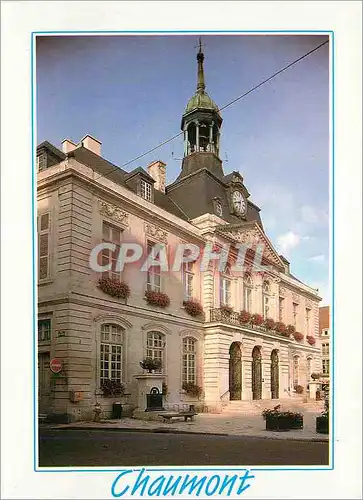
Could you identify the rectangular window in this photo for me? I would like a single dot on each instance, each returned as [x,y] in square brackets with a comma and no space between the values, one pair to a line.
[111,353]
[326,367]
[281,308]
[294,314]
[265,306]
[145,190]
[44,246]
[188,278]
[225,292]
[44,330]
[307,321]
[325,349]
[111,234]
[154,272]
[189,361]
[247,299]
[155,347]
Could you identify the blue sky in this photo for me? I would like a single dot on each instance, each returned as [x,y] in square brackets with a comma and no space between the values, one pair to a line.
[130,93]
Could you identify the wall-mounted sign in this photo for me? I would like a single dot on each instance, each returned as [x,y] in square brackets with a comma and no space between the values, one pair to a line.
[55,365]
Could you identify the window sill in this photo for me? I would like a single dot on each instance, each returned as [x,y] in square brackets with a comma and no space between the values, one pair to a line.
[45,281]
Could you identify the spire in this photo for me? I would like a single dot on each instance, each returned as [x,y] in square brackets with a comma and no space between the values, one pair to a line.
[200,59]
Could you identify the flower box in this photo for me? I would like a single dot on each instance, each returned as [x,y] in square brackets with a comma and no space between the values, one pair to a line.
[114,287]
[310,339]
[280,327]
[157,298]
[193,307]
[269,323]
[298,336]
[244,317]
[192,389]
[150,364]
[290,329]
[277,420]
[256,319]
[322,424]
[226,309]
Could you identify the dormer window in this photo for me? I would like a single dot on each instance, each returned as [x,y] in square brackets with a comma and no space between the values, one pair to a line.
[145,190]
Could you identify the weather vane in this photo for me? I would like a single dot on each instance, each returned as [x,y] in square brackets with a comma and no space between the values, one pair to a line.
[200,45]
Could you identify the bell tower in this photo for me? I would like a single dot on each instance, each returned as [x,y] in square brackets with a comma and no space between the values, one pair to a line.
[201,124]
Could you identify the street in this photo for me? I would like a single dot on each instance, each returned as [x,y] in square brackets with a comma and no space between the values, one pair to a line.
[71,448]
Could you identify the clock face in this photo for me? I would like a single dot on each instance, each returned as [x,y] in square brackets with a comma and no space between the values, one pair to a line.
[239,202]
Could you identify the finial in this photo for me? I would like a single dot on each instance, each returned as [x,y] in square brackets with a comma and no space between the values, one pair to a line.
[200,59]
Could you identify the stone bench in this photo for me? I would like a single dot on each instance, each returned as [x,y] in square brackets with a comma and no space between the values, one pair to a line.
[186,414]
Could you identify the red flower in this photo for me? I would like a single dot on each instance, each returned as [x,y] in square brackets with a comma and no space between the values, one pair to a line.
[193,307]
[114,287]
[298,336]
[256,319]
[226,309]
[157,298]
[311,340]
[244,317]
[269,323]
[280,327]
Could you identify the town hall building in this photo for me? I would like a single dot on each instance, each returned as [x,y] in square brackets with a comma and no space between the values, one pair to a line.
[218,336]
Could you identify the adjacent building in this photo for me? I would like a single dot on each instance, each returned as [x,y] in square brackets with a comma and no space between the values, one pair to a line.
[84,200]
[324,332]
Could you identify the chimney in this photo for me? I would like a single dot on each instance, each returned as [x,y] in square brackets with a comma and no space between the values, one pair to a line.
[68,146]
[157,171]
[91,143]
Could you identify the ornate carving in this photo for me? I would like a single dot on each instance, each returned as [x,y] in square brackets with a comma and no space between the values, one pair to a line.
[308,304]
[295,298]
[113,212]
[253,236]
[282,291]
[156,232]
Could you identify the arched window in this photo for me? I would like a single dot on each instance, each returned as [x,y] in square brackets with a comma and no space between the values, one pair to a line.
[189,360]
[308,368]
[295,371]
[111,352]
[247,292]
[155,347]
[266,299]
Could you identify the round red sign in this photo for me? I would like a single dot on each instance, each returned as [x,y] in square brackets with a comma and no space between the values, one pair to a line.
[55,365]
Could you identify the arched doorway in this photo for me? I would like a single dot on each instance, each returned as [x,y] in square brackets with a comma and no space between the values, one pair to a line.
[235,372]
[274,374]
[256,373]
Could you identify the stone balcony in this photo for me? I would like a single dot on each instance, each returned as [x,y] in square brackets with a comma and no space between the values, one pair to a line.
[232,318]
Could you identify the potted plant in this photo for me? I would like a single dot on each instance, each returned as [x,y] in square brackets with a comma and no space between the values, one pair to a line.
[290,329]
[310,339]
[111,388]
[256,319]
[193,307]
[280,327]
[298,336]
[192,389]
[277,420]
[315,376]
[322,422]
[157,298]
[226,309]
[244,317]
[299,389]
[150,364]
[164,389]
[269,323]
[114,287]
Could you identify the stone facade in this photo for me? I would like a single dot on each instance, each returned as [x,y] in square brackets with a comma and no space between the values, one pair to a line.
[84,200]
[76,206]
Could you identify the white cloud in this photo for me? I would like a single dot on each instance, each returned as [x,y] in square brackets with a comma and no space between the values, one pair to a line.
[317,258]
[287,242]
[313,216]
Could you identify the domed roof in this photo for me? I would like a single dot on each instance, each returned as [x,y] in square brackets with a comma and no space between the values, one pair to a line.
[201,100]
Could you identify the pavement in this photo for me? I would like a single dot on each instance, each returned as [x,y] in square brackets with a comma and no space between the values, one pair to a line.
[224,424]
